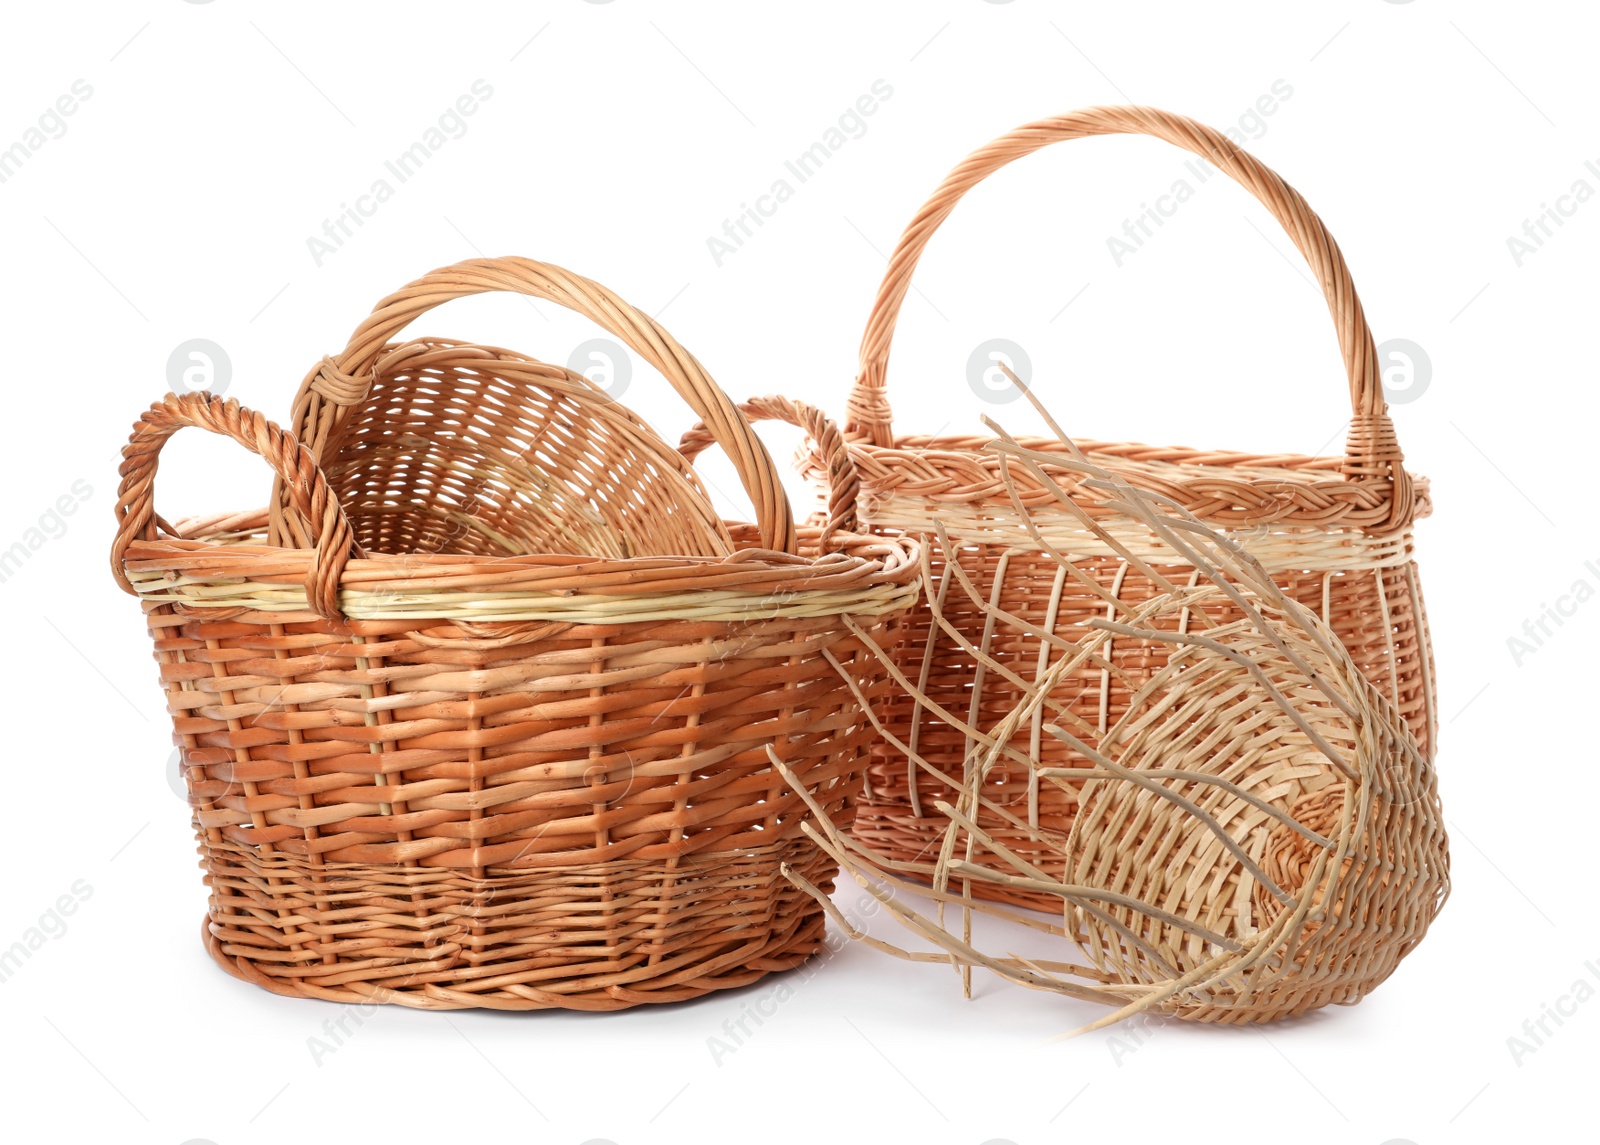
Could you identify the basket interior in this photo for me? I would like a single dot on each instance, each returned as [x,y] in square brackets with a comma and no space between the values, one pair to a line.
[470,449]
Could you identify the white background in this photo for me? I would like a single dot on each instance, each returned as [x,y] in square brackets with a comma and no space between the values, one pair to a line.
[219,136]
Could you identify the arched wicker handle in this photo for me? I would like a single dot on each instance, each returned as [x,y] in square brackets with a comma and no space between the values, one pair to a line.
[336,384]
[844,486]
[1372,452]
[320,515]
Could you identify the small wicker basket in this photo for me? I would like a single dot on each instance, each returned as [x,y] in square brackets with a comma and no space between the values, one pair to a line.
[1336,532]
[435,759]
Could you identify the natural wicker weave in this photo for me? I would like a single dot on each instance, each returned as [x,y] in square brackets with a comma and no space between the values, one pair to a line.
[447,779]
[1258,834]
[459,448]
[1334,531]
[826,454]
[326,408]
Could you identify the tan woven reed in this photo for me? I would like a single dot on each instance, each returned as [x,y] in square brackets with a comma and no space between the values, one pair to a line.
[1258,833]
[457,448]
[449,778]
[826,455]
[336,386]
[1335,532]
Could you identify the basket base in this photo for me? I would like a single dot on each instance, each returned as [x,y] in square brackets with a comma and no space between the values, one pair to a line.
[604,937]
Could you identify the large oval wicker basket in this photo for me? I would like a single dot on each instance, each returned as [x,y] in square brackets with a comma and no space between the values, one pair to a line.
[1335,531]
[506,778]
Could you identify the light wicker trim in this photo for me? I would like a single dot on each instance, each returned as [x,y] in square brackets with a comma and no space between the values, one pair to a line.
[877,576]
[1279,548]
[1221,486]
[399,602]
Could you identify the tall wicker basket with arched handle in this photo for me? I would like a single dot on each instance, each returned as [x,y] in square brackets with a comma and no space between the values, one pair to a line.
[433,770]
[1335,531]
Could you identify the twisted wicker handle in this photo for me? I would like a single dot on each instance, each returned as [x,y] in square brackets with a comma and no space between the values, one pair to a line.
[844,486]
[320,514]
[1372,452]
[337,384]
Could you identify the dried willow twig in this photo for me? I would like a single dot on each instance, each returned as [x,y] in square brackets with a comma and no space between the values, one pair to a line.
[1255,836]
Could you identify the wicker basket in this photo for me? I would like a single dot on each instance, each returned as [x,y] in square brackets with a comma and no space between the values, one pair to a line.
[1336,532]
[1258,835]
[455,779]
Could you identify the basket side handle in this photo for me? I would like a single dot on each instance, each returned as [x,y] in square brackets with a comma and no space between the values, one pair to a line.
[1372,452]
[337,384]
[844,485]
[320,515]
